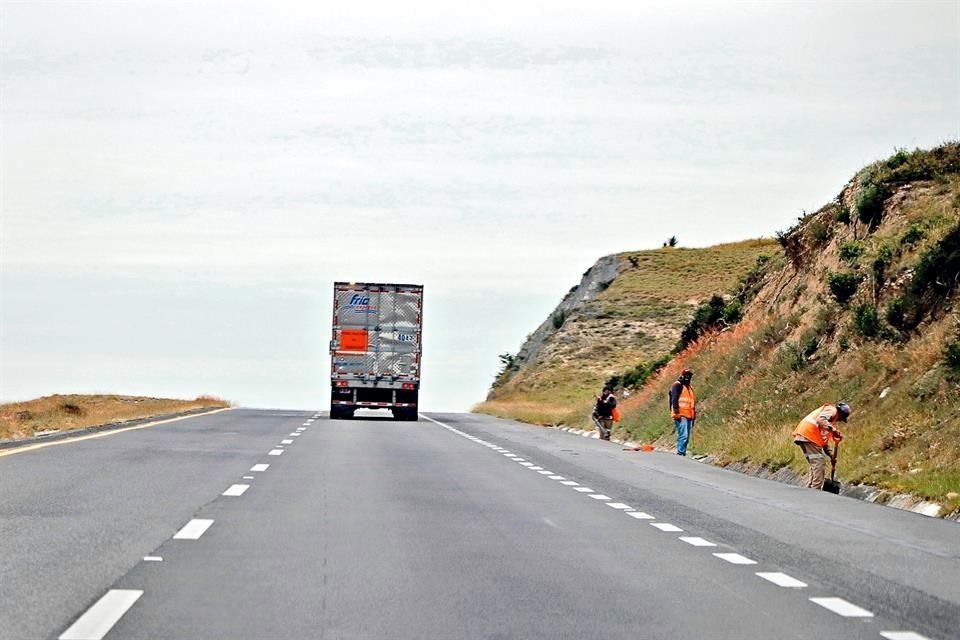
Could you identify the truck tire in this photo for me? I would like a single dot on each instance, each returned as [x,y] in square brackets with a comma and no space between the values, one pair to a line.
[405,414]
[340,412]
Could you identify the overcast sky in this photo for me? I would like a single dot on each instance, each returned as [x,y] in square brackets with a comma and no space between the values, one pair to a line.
[182,182]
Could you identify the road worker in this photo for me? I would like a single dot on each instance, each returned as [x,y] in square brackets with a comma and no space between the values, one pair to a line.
[812,434]
[683,408]
[603,412]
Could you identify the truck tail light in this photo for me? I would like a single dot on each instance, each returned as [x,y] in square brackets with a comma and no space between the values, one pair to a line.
[408,386]
[341,383]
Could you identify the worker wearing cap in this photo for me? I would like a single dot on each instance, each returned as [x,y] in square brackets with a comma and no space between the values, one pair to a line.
[812,435]
[683,408]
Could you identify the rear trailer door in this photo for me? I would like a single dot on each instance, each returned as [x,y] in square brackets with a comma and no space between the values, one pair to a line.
[376,334]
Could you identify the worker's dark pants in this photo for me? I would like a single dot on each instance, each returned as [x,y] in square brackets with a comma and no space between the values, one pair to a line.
[604,426]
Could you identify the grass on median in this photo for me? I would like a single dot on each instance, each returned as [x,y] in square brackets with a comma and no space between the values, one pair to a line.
[65,412]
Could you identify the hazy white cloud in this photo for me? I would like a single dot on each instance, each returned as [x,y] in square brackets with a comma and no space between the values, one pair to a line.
[246,155]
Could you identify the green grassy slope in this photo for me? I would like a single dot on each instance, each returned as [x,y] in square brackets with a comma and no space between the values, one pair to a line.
[637,318]
[893,236]
[860,304]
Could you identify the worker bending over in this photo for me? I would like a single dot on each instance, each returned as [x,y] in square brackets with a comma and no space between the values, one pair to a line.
[812,434]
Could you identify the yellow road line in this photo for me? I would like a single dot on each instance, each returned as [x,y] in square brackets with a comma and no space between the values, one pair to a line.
[102,434]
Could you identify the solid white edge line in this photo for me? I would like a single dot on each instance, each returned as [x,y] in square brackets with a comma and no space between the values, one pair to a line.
[260,467]
[735,558]
[902,635]
[97,621]
[236,490]
[193,529]
[697,541]
[842,608]
[105,434]
[781,579]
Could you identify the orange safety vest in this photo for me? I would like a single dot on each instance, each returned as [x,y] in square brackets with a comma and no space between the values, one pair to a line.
[809,429]
[687,403]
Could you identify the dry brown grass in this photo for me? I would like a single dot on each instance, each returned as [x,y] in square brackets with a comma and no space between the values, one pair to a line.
[637,318]
[64,412]
[533,412]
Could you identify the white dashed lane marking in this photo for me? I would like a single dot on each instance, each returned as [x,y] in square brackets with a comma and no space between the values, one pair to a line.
[236,490]
[248,477]
[100,618]
[842,608]
[286,442]
[152,559]
[782,580]
[295,434]
[697,542]
[735,558]
[259,467]
[837,605]
[275,452]
[193,529]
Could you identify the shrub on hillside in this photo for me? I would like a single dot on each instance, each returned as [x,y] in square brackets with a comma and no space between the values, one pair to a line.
[912,235]
[851,251]
[638,375]
[951,357]
[896,314]
[843,285]
[817,232]
[559,318]
[870,203]
[707,316]
[879,266]
[866,321]
[842,214]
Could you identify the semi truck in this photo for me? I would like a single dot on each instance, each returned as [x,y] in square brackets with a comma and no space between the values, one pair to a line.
[375,350]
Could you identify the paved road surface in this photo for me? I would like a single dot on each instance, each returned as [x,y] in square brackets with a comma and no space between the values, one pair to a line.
[459,526]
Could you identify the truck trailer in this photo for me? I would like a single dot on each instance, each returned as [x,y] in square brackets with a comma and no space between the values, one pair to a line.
[376,347]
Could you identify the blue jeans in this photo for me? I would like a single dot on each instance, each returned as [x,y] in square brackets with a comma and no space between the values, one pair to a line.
[684,426]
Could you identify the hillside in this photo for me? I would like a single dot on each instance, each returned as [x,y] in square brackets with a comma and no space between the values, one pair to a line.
[628,308]
[65,412]
[862,307]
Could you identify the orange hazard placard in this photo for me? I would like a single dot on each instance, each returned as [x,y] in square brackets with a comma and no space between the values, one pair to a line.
[353,340]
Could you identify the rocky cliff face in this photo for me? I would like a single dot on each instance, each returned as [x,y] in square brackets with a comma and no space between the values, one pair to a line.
[596,279]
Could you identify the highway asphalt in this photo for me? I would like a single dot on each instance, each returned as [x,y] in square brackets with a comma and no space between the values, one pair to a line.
[284,524]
